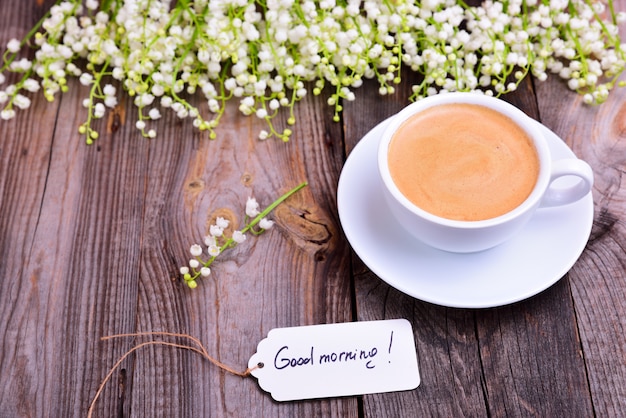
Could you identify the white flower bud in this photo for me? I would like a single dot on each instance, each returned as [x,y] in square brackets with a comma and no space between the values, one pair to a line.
[154,113]
[7,114]
[222,222]
[98,110]
[265,223]
[13,45]
[86,79]
[216,231]
[239,237]
[214,250]
[110,101]
[252,207]
[108,90]
[195,250]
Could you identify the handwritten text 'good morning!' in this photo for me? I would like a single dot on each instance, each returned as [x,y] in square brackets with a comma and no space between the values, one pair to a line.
[284,359]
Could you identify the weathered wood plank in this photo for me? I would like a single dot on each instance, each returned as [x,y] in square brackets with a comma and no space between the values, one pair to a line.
[531,358]
[24,165]
[106,228]
[295,274]
[598,280]
[113,221]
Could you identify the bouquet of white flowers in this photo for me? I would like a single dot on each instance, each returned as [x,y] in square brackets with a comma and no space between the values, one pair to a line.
[268,54]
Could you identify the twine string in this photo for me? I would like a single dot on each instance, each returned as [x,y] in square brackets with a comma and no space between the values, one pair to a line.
[198,349]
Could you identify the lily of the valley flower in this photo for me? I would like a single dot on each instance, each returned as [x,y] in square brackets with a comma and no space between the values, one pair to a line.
[268,55]
[216,242]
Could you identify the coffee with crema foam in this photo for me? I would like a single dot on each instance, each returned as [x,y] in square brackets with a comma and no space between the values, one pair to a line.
[463,162]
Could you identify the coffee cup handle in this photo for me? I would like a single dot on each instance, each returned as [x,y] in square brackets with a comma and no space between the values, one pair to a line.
[557,196]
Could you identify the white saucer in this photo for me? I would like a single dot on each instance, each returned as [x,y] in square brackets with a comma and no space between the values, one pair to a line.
[529,263]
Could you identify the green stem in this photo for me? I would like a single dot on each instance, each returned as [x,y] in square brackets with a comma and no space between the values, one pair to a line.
[273,206]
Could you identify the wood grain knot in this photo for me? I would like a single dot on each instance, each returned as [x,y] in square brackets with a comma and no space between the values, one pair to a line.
[192,190]
[194,186]
[306,228]
[246,179]
[117,118]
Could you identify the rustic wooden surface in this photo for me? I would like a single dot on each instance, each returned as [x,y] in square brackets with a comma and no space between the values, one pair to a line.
[91,239]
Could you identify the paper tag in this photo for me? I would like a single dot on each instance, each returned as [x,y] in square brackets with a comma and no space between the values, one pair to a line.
[352,358]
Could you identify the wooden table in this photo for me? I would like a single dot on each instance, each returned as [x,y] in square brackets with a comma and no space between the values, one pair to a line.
[91,239]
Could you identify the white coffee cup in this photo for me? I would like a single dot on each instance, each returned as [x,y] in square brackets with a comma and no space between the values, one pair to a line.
[470,236]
